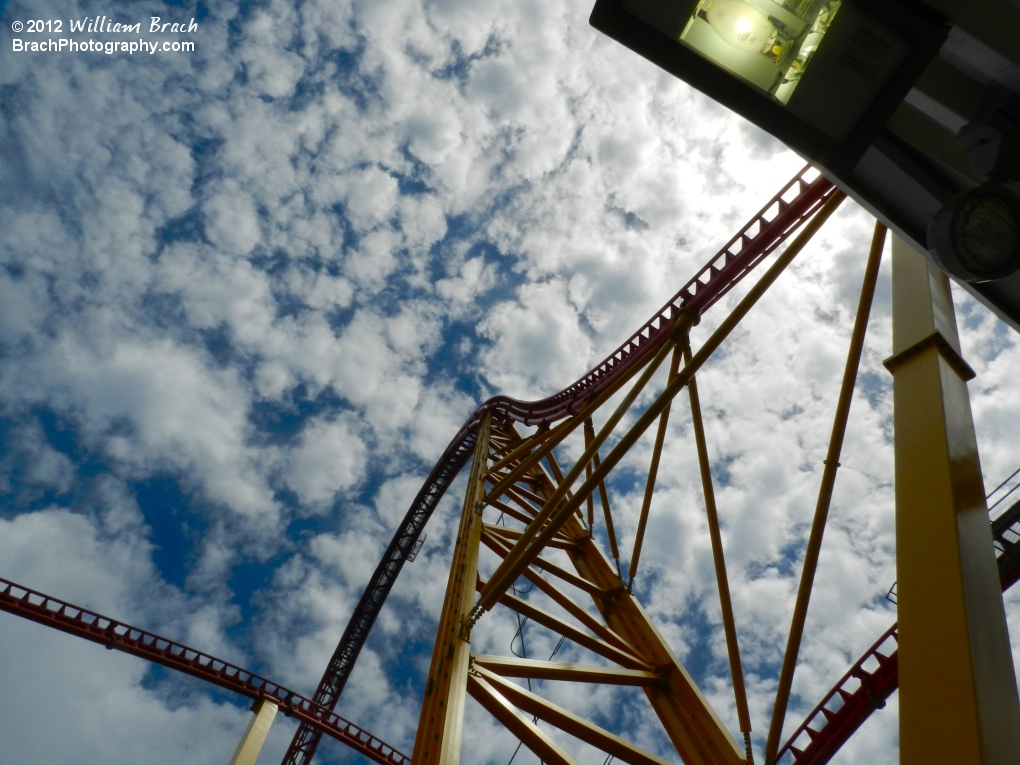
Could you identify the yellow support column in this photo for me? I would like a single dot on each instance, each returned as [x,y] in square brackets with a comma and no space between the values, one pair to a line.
[441,723]
[255,735]
[958,693]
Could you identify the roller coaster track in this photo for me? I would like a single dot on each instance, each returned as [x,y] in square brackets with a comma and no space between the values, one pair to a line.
[861,691]
[113,634]
[784,214]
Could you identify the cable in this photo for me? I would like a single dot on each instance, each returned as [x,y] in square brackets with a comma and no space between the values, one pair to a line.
[555,651]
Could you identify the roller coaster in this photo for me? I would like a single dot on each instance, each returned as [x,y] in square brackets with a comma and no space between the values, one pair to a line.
[527,486]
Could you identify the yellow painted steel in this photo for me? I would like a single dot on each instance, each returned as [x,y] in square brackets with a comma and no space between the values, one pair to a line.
[255,734]
[499,707]
[653,471]
[560,670]
[628,638]
[690,722]
[719,559]
[517,561]
[831,463]
[441,725]
[560,506]
[620,748]
[958,695]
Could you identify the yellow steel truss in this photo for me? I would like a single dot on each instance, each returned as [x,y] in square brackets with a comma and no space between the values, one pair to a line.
[955,622]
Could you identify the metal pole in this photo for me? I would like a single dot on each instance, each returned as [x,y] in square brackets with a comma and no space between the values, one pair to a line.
[831,463]
[725,603]
[255,734]
[524,553]
[441,723]
[653,471]
[958,694]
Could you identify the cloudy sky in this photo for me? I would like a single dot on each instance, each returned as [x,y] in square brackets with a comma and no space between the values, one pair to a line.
[248,293]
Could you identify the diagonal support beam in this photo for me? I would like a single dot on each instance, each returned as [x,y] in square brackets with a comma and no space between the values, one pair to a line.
[496,705]
[582,584]
[556,512]
[622,657]
[589,436]
[559,670]
[719,559]
[558,541]
[653,471]
[690,722]
[814,544]
[568,722]
[568,605]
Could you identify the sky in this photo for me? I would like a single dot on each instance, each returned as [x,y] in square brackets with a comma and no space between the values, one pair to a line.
[249,293]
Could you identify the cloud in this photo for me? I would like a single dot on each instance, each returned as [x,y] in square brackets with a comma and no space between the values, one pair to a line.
[330,459]
[278,273]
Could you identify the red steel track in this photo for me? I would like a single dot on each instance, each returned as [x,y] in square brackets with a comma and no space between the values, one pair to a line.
[835,721]
[89,625]
[784,214]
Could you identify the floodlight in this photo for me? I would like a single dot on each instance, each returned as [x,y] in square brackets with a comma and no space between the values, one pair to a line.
[976,235]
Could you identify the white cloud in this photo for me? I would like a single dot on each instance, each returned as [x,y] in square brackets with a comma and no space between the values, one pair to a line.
[329,459]
[299,257]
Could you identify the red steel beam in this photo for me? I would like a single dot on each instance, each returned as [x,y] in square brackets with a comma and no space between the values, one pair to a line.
[80,622]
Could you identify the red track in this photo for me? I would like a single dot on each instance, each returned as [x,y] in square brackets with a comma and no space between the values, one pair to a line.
[794,204]
[82,623]
[874,685]
[833,728]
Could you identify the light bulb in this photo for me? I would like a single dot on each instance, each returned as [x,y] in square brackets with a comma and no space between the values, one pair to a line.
[740,24]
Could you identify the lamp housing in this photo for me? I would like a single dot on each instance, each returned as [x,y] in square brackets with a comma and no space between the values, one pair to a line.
[823,76]
[975,237]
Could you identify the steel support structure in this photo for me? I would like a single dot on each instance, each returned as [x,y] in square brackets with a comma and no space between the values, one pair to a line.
[537,509]
[951,611]
[771,227]
[247,752]
[958,693]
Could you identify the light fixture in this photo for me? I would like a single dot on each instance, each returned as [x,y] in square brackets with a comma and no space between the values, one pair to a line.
[823,76]
[740,24]
[976,235]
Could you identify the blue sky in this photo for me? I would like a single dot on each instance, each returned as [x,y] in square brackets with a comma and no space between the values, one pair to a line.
[248,294]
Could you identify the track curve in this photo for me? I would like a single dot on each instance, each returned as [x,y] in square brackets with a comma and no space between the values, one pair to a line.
[89,625]
[817,745]
[780,218]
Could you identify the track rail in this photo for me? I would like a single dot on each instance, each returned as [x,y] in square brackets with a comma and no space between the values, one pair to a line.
[861,691]
[80,622]
[784,214]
